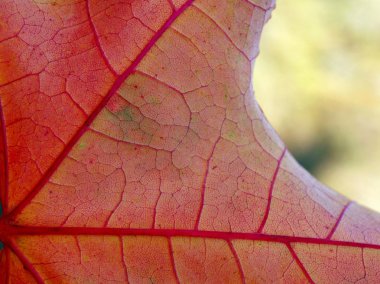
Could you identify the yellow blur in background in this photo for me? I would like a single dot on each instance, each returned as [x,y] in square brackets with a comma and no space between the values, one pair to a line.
[318,81]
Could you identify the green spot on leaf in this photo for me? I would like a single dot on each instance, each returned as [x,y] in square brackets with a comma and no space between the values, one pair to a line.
[126,114]
[231,135]
[153,100]
[82,145]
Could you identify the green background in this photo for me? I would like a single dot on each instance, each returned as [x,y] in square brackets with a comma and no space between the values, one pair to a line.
[318,81]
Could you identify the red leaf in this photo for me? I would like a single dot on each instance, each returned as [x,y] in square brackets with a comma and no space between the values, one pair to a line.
[132,150]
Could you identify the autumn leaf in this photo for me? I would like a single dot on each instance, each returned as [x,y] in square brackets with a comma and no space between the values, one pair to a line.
[133,150]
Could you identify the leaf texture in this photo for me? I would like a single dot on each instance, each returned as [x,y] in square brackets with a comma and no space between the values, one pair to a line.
[133,150]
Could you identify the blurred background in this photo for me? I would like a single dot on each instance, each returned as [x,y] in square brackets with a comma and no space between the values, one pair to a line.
[318,81]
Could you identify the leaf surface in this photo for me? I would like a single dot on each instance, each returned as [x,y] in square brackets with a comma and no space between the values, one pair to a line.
[133,150]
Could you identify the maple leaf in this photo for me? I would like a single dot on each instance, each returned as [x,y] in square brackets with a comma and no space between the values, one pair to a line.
[133,150]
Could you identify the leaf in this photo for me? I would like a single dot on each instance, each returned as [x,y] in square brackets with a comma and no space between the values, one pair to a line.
[133,150]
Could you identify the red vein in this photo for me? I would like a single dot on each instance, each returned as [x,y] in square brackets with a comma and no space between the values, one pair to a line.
[25,262]
[218,27]
[4,183]
[338,220]
[295,257]
[13,230]
[155,205]
[105,59]
[271,191]
[236,257]
[7,265]
[255,5]
[203,190]
[17,79]
[123,260]
[97,110]
[171,5]
[363,265]
[171,254]
[115,208]
[166,85]
[78,247]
